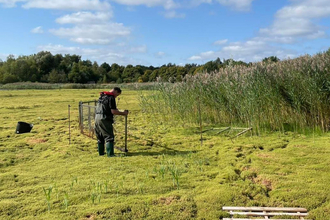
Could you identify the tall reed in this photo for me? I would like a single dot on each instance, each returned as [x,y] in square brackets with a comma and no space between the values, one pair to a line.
[293,94]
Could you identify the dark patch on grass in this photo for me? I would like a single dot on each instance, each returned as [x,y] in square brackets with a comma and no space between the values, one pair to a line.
[238,171]
[240,155]
[126,210]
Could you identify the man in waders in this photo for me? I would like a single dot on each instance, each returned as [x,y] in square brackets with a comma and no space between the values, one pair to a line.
[105,109]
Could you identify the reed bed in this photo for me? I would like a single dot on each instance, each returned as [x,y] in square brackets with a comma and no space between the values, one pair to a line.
[292,95]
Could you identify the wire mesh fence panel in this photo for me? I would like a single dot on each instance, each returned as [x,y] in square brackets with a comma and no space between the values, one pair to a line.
[87,117]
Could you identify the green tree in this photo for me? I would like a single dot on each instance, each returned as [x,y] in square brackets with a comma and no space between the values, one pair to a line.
[115,72]
[271,59]
[57,76]
[146,75]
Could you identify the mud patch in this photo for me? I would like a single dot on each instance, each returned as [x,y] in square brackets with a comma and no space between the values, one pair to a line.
[168,200]
[36,141]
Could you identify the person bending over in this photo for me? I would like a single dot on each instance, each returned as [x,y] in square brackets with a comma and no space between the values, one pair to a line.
[105,109]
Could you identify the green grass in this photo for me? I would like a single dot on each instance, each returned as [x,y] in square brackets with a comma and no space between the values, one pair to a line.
[167,173]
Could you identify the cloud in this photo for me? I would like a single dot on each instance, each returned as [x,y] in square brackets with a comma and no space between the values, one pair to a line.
[297,21]
[305,9]
[60,49]
[121,56]
[93,33]
[167,4]
[220,42]
[292,24]
[139,49]
[249,51]
[160,54]
[240,5]
[293,27]
[3,57]
[85,18]
[68,5]
[173,14]
[193,58]
[37,30]
[10,3]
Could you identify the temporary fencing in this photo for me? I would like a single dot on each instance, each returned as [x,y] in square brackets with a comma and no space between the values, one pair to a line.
[87,117]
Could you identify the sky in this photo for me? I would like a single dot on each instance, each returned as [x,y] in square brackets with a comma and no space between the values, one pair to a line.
[157,32]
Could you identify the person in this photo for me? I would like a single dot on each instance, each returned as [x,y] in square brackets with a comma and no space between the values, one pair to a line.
[105,109]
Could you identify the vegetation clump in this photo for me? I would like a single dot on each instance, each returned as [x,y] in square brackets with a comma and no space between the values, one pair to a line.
[289,95]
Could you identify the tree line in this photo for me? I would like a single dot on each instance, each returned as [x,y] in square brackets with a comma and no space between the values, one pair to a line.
[48,68]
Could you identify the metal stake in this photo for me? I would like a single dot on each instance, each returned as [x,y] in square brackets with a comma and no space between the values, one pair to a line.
[126,133]
[69,125]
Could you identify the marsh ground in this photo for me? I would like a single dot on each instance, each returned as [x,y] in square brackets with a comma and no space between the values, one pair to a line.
[167,173]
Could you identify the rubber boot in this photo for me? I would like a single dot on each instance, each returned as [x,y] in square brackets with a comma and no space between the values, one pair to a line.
[100,148]
[109,148]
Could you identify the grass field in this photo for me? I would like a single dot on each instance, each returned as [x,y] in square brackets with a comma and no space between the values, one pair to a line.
[167,173]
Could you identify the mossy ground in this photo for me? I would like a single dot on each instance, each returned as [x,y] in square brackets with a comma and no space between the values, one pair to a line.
[167,173]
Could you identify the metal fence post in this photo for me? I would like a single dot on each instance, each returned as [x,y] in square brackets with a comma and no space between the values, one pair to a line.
[89,118]
[80,113]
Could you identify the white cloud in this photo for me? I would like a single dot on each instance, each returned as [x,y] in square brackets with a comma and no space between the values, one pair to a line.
[37,30]
[249,51]
[3,57]
[160,54]
[10,3]
[173,14]
[207,54]
[93,33]
[221,42]
[306,9]
[85,18]
[68,5]
[297,21]
[167,4]
[241,5]
[292,23]
[113,54]
[292,27]
[60,49]
[195,58]
[139,49]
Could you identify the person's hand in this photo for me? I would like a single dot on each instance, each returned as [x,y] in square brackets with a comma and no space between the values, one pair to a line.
[126,112]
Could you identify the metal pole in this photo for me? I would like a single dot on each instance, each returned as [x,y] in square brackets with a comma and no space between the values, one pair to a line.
[69,125]
[80,103]
[89,118]
[126,133]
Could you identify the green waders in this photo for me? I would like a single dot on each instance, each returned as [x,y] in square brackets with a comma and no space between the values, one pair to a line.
[100,148]
[109,148]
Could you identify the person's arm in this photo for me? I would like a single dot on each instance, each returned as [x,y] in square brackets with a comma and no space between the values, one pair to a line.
[117,112]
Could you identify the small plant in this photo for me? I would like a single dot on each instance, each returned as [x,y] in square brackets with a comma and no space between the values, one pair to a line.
[162,171]
[73,180]
[48,193]
[200,164]
[175,175]
[93,196]
[66,200]
[106,183]
[96,191]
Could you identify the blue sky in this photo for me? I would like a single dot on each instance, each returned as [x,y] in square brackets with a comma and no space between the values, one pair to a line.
[157,32]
